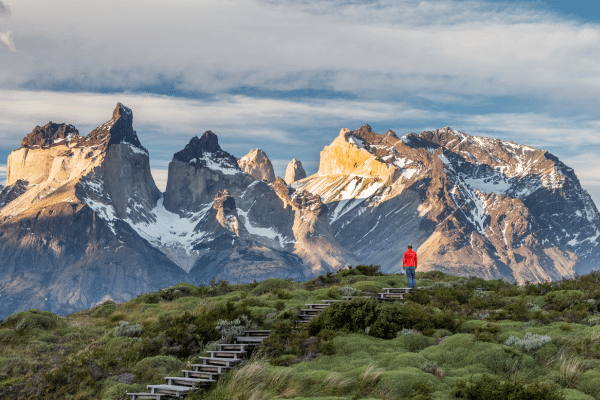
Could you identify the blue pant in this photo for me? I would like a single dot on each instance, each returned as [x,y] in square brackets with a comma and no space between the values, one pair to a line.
[410,276]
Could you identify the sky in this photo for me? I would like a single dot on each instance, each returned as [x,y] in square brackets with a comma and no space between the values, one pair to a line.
[286,76]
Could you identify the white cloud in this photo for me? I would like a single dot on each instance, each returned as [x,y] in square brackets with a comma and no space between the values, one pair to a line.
[381,48]
[5,37]
[538,130]
[229,116]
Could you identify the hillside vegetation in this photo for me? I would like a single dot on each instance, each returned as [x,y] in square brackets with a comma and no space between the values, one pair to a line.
[463,338]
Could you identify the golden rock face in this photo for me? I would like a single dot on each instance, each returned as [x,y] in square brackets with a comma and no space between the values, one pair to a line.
[345,156]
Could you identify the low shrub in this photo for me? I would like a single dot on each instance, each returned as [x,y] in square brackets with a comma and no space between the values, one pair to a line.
[25,321]
[125,329]
[153,369]
[107,308]
[229,329]
[414,342]
[369,270]
[490,387]
[529,343]
[270,285]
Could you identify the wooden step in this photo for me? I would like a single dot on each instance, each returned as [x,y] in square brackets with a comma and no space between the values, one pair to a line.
[390,296]
[201,374]
[140,396]
[223,362]
[172,390]
[396,290]
[317,306]
[250,339]
[216,369]
[233,347]
[183,381]
[234,355]
[348,298]
[263,333]
[331,301]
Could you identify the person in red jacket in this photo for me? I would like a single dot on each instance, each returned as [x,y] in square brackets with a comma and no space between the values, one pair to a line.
[409,264]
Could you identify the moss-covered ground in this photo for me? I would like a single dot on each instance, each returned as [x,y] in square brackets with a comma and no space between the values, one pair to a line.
[456,338]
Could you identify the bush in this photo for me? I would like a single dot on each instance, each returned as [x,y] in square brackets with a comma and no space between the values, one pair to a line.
[107,308]
[489,387]
[529,343]
[25,321]
[229,329]
[383,320]
[347,291]
[369,270]
[7,336]
[185,334]
[125,329]
[153,369]
[270,285]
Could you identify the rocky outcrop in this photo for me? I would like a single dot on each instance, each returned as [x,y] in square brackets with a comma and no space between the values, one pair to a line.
[257,164]
[64,240]
[43,137]
[222,221]
[198,172]
[294,172]
[474,206]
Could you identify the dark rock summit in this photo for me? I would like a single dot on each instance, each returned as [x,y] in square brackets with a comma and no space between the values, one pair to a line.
[51,134]
[118,130]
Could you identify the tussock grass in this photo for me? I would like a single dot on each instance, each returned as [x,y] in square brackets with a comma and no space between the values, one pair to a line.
[454,333]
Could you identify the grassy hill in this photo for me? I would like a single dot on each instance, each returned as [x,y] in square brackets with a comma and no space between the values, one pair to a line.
[456,338]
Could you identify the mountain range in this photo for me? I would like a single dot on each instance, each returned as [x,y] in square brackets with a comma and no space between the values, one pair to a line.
[82,220]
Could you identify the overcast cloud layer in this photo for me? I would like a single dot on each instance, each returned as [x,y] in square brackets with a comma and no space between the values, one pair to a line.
[287,75]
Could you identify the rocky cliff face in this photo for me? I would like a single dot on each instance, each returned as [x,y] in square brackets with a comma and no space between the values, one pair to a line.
[294,172]
[257,164]
[63,243]
[473,206]
[219,221]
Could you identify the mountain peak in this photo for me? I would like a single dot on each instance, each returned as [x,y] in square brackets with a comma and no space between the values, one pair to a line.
[197,146]
[294,172]
[121,111]
[257,164]
[51,134]
[118,130]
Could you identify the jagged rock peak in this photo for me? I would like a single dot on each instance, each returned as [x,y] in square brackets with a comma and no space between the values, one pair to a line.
[294,172]
[118,130]
[257,164]
[391,133]
[205,152]
[49,135]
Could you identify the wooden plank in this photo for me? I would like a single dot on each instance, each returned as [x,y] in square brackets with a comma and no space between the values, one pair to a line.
[250,339]
[209,368]
[213,376]
[173,390]
[183,381]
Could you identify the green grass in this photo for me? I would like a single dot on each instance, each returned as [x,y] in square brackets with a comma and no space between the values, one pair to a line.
[453,337]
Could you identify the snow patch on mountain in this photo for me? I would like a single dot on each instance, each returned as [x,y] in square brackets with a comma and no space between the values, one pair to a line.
[267,232]
[170,229]
[216,163]
[488,185]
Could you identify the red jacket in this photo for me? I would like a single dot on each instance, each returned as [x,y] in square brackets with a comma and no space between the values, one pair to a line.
[410,259]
